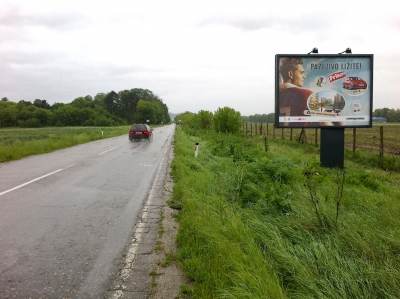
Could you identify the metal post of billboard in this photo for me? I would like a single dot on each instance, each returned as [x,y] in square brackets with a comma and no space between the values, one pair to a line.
[332,147]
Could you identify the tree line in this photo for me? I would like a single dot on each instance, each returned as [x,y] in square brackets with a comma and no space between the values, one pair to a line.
[391,115]
[225,120]
[260,118]
[105,109]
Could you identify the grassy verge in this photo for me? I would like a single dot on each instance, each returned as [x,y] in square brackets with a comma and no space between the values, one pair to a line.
[18,143]
[367,141]
[266,225]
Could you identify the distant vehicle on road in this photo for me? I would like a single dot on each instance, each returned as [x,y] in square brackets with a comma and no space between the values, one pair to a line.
[140,131]
[354,83]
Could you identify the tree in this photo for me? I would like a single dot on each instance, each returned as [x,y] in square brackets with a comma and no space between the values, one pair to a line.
[41,104]
[148,110]
[227,120]
[8,114]
[112,102]
[205,119]
[187,119]
[83,102]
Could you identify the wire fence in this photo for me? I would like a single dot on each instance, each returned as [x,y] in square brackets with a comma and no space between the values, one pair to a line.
[382,139]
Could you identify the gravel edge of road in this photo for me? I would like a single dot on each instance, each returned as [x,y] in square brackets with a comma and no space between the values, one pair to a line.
[167,277]
[147,270]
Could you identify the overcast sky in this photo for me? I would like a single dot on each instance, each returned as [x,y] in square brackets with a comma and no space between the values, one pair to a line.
[193,54]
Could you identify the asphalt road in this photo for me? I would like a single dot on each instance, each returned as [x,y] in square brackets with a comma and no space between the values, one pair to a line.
[66,216]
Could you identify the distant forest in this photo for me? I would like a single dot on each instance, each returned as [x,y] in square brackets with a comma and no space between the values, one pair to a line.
[391,115]
[260,118]
[105,109]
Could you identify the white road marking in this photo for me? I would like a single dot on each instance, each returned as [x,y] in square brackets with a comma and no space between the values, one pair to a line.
[106,151]
[32,181]
[147,165]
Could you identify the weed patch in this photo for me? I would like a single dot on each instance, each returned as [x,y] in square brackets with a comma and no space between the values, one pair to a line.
[256,224]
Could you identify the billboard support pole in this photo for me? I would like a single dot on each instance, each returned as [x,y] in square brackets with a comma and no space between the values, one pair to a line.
[332,147]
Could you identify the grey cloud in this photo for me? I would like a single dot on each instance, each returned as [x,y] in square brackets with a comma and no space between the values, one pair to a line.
[18,57]
[13,17]
[303,23]
[240,23]
[64,82]
[49,61]
[115,70]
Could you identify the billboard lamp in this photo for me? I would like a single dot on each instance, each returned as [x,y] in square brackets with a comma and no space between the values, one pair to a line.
[347,51]
[313,51]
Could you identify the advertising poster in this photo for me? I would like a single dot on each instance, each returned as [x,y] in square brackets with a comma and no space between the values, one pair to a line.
[323,90]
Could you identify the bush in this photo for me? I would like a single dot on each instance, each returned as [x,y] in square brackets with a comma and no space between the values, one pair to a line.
[227,120]
[204,119]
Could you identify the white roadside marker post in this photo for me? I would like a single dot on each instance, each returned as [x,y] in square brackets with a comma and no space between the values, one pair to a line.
[196,149]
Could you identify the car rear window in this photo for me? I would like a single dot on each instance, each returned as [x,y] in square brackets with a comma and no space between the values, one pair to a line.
[139,127]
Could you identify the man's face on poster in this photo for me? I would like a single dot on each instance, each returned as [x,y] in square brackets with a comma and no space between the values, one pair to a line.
[297,75]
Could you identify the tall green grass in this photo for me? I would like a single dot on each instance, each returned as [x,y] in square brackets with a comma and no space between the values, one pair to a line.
[18,143]
[249,230]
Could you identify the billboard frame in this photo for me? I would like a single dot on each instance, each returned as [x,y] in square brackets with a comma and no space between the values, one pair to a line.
[371,87]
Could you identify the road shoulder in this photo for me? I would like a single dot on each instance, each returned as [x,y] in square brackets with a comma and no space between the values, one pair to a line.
[149,269]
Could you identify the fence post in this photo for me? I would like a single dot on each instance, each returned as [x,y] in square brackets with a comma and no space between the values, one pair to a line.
[381,146]
[265,144]
[273,131]
[354,140]
[267,130]
[302,136]
[283,135]
[291,134]
[246,128]
[316,137]
[261,128]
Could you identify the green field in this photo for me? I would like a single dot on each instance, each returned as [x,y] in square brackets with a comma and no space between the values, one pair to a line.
[18,143]
[256,224]
[367,141]
[366,138]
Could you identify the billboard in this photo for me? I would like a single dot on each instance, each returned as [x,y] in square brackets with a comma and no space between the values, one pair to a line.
[323,90]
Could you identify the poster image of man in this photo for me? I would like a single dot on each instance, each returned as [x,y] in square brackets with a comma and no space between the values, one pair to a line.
[292,95]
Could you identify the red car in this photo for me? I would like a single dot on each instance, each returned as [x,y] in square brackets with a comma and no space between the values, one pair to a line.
[140,131]
[354,83]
